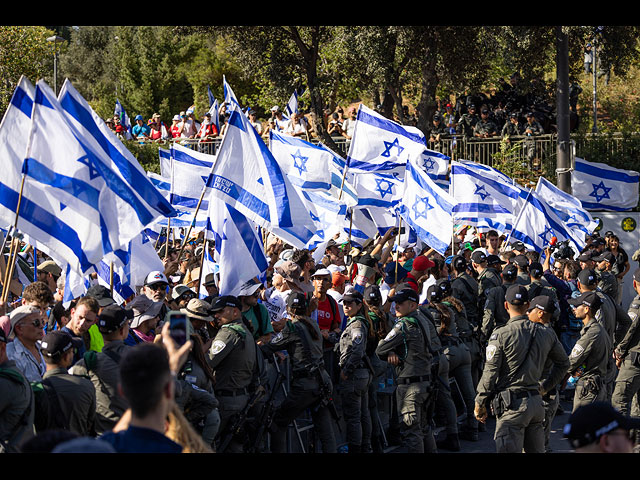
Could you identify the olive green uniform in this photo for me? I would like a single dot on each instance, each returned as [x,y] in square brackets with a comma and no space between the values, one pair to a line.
[16,408]
[627,382]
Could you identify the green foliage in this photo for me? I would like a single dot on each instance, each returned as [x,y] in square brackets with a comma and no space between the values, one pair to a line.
[146,154]
[23,51]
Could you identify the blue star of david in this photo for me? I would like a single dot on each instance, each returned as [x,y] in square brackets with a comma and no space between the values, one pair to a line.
[389,146]
[480,190]
[302,165]
[429,163]
[544,234]
[597,187]
[387,190]
[421,207]
[93,173]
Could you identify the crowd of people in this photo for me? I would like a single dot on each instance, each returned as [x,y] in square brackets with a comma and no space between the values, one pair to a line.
[317,339]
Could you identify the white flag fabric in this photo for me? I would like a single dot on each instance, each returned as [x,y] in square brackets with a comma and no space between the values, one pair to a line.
[379,144]
[208,266]
[247,177]
[47,224]
[568,209]
[165,162]
[482,192]
[602,187]
[436,165]
[190,175]
[427,209]
[229,97]
[121,290]
[238,247]
[537,224]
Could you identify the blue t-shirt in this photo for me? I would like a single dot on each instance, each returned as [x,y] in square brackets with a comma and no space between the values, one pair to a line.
[138,130]
[141,440]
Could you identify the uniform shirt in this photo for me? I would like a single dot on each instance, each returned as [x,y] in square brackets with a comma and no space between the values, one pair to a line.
[353,344]
[508,354]
[608,283]
[592,350]
[16,405]
[494,314]
[105,376]
[614,320]
[631,341]
[77,398]
[31,367]
[407,340]
[465,288]
[232,356]
[487,280]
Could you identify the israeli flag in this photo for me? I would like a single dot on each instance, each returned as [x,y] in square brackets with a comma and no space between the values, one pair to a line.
[482,193]
[208,266]
[249,179]
[436,165]
[238,247]
[292,106]
[229,97]
[125,121]
[214,111]
[602,187]
[75,285]
[427,209]
[121,290]
[136,261]
[568,208]
[379,189]
[382,145]
[46,223]
[537,223]
[311,167]
[190,175]
[164,156]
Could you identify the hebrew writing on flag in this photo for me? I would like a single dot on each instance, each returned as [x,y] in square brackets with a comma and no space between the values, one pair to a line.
[602,187]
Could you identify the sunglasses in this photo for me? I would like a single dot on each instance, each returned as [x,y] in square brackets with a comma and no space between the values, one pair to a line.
[157,287]
[36,323]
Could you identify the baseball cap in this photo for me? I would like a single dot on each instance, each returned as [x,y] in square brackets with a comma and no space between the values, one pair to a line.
[445,285]
[290,271]
[102,294]
[588,277]
[495,260]
[198,309]
[478,257]
[296,300]
[590,299]
[434,294]
[517,295]
[338,279]
[219,303]
[333,268]
[510,271]
[55,343]
[180,290]
[51,267]
[352,296]
[520,260]
[544,303]
[606,255]
[320,272]
[422,263]
[519,246]
[143,309]
[18,314]
[535,269]
[404,295]
[589,422]
[112,317]
[372,293]
[155,277]
[586,256]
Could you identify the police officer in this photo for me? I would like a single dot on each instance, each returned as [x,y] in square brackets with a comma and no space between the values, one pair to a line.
[538,286]
[310,385]
[590,355]
[484,127]
[487,277]
[608,282]
[406,347]
[64,401]
[232,357]
[355,376]
[467,122]
[512,380]
[16,403]
[522,262]
[512,128]
[627,355]
[102,368]
[495,315]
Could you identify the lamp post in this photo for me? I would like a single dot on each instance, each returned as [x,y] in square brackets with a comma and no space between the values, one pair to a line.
[55,39]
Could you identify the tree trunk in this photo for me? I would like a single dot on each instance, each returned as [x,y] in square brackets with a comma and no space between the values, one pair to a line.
[427,105]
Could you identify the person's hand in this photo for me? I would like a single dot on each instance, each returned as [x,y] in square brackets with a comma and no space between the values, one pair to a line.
[177,355]
[343,376]
[393,359]
[480,412]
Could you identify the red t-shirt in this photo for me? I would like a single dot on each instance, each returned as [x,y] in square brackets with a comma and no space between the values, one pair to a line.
[326,319]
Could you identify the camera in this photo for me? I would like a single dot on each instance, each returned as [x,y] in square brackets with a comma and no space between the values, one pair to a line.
[562,250]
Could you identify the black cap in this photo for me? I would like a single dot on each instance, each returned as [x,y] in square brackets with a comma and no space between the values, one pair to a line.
[445,285]
[544,303]
[352,296]
[535,269]
[521,261]
[588,277]
[434,294]
[220,303]
[459,263]
[590,299]
[296,300]
[113,317]
[606,255]
[586,256]
[518,245]
[405,294]
[608,233]
[510,272]
[55,343]
[372,293]
[478,257]
[495,260]
[517,295]
[589,422]
[102,294]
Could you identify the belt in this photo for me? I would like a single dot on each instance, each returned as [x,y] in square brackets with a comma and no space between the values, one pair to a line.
[525,393]
[231,393]
[419,378]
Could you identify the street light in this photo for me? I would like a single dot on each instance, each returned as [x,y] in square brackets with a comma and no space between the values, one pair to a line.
[55,39]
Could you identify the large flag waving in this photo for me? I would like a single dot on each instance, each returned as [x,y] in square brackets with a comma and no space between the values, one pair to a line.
[427,209]
[602,187]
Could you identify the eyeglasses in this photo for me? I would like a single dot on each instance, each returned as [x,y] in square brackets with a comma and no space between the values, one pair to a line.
[187,296]
[36,323]
[157,287]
